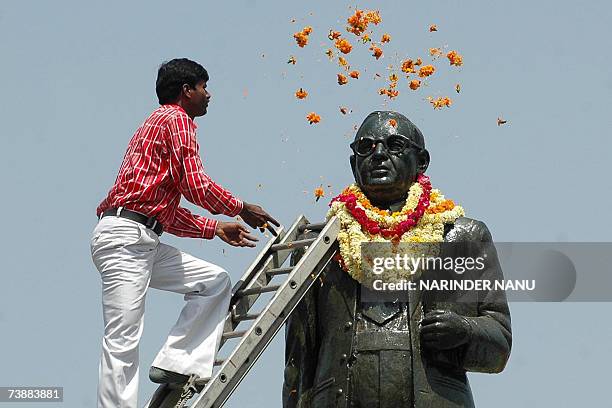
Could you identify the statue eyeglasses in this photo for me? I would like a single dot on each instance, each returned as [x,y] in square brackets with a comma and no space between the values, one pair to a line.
[394,144]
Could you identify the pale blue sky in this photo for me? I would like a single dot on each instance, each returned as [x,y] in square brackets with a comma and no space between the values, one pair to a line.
[78,79]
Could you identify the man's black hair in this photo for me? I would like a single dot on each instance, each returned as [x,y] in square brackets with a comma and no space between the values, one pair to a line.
[173,74]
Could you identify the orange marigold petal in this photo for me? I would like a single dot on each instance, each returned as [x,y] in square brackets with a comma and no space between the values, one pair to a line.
[426,71]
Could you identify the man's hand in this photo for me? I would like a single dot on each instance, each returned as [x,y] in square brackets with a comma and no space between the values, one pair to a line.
[257,217]
[235,234]
[443,330]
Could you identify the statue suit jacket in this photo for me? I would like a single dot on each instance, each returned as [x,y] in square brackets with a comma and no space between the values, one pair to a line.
[320,333]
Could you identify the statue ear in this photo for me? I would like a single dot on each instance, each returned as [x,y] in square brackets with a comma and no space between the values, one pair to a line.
[422,161]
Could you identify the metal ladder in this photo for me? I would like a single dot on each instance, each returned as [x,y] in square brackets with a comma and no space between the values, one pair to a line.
[214,391]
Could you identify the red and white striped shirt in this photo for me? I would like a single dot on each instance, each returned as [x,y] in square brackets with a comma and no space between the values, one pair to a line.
[162,162]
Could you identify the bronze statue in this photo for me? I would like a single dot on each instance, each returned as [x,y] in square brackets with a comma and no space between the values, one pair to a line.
[344,351]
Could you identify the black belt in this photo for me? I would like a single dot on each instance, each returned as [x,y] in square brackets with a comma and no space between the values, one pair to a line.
[149,222]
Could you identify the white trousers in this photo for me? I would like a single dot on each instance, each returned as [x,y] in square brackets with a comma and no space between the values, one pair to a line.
[130,258]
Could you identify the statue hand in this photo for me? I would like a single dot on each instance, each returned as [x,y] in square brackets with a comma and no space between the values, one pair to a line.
[443,330]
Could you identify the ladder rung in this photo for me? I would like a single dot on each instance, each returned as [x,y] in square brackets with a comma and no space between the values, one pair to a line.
[279,271]
[291,245]
[312,227]
[248,316]
[255,291]
[233,334]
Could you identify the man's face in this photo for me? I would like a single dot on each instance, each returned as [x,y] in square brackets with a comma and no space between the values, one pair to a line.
[198,99]
[387,172]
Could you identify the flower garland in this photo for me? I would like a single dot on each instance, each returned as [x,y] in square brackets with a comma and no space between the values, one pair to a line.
[421,219]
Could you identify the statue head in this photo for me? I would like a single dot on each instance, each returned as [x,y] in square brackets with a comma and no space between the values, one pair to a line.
[388,154]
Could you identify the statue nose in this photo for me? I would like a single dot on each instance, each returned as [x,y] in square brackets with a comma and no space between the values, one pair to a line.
[379,148]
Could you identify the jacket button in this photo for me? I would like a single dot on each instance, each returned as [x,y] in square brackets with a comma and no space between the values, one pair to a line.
[348,325]
[339,391]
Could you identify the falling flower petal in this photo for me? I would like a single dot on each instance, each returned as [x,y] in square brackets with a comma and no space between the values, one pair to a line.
[354,74]
[385,38]
[342,62]
[376,52]
[313,118]
[393,122]
[302,37]
[292,60]
[501,121]
[414,84]
[458,88]
[433,28]
[454,58]
[344,110]
[365,38]
[440,102]
[358,22]
[301,94]
[333,35]
[318,193]
[330,53]
[342,79]
[390,92]
[426,71]
[343,45]
[418,62]
[408,66]
[435,52]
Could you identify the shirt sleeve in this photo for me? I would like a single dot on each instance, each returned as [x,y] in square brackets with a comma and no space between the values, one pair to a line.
[187,224]
[188,173]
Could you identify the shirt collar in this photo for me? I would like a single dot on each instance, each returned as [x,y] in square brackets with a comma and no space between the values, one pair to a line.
[180,109]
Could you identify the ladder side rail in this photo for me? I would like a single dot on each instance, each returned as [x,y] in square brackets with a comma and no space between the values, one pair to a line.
[255,265]
[281,237]
[271,320]
[259,278]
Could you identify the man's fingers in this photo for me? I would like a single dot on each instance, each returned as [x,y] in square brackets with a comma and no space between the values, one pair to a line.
[247,236]
[271,219]
[272,231]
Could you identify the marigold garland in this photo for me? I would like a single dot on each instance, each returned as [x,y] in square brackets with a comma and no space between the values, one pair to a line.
[421,219]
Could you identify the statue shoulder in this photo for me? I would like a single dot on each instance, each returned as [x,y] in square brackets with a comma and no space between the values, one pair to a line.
[467,229]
